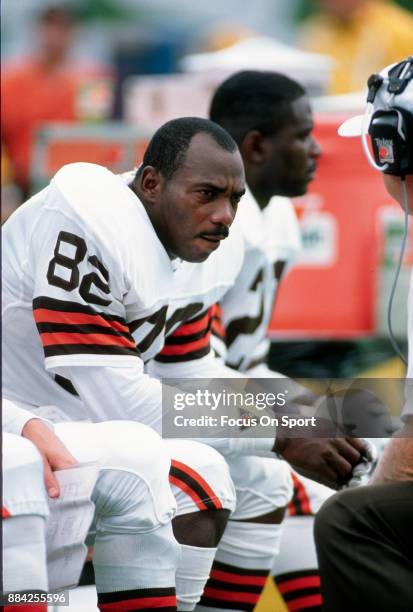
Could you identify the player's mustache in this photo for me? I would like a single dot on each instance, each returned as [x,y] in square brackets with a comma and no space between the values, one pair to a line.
[221,231]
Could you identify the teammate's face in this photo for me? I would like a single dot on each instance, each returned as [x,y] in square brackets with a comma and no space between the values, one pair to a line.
[196,207]
[292,154]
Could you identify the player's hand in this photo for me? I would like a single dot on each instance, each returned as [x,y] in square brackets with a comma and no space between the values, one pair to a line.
[329,460]
[54,453]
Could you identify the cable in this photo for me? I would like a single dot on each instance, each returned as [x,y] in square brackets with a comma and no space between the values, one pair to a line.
[399,265]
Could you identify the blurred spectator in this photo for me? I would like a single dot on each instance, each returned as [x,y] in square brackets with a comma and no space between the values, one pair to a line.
[361,36]
[47,87]
[11,195]
[224,34]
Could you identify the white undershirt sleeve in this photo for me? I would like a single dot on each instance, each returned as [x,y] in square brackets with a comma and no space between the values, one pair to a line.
[15,418]
[127,393]
[231,447]
[118,393]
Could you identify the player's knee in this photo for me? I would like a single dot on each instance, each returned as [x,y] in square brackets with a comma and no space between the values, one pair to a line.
[264,488]
[273,483]
[200,478]
[202,529]
[126,503]
[132,491]
[133,447]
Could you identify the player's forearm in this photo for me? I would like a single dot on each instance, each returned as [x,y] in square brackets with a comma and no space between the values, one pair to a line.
[396,462]
[231,447]
[111,393]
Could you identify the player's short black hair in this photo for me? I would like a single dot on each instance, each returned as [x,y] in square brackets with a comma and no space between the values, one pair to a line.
[168,146]
[254,100]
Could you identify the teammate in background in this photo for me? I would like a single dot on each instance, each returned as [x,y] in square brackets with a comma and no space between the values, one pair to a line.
[133,508]
[105,285]
[10,194]
[269,116]
[376,520]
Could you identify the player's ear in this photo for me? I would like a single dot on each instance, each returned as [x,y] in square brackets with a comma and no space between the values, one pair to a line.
[253,147]
[151,183]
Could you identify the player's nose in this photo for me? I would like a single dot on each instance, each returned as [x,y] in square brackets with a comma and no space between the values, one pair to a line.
[224,213]
[315,150]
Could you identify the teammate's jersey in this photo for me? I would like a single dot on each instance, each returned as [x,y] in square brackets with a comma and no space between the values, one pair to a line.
[308,495]
[86,282]
[271,239]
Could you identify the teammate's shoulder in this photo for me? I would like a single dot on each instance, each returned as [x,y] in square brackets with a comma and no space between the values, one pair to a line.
[279,206]
[282,238]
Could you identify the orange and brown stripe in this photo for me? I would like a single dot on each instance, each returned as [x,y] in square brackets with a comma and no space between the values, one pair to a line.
[301,590]
[72,328]
[189,341]
[194,485]
[138,600]
[217,326]
[233,588]
[300,504]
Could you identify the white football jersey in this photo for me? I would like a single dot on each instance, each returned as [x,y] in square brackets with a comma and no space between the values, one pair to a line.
[86,282]
[271,242]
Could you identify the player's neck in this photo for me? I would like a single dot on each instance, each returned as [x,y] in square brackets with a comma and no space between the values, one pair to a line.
[260,197]
[256,185]
[134,186]
[157,226]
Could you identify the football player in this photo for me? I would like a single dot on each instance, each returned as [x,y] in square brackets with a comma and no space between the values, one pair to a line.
[89,267]
[269,116]
[133,507]
[93,283]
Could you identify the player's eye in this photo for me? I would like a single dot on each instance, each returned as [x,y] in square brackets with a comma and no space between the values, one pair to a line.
[207,194]
[304,135]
